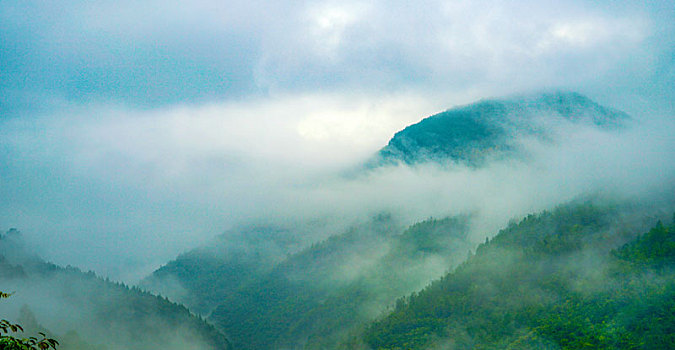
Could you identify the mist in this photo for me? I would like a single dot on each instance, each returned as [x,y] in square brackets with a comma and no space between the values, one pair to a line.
[47,300]
[122,191]
[130,133]
[243,137]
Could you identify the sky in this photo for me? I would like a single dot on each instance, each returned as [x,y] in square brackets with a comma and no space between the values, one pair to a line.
[133,131]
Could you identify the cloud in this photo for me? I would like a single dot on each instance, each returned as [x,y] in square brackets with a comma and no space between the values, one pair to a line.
[153,126]
[162,53]
[164,180]
[122,191]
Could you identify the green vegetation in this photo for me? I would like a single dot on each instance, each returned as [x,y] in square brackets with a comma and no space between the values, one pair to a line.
[10,342]
[486,129]
[460,134]
[546,282]
[571,278]
[319,296]
[574,277]
[202,277]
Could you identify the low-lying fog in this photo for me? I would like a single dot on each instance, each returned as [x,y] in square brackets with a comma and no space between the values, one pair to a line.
[123,191]
[130,132]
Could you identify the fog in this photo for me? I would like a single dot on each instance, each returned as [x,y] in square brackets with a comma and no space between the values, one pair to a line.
[103,188]
[122,192]
[131,133]
[59,311]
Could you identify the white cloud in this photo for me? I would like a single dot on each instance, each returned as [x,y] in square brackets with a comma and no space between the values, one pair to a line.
[593,34]
[161,180]
[248,103]
[328,24]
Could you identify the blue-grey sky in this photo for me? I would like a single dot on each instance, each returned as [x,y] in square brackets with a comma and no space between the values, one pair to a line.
[130,126]
[156,53]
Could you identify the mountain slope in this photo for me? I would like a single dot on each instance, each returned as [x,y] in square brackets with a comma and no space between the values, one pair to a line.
[489,128]
[549,282]
[66,300]
[265,295]
[200,278]
[315,297]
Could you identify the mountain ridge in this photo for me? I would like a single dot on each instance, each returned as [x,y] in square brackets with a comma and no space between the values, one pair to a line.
[471,133]
[81,305]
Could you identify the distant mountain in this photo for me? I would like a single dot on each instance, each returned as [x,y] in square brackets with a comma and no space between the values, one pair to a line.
[202,277]
[315,297]
[489,128]
[83,311]
[266,290]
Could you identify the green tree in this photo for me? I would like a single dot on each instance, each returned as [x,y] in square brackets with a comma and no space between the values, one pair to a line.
[10,342]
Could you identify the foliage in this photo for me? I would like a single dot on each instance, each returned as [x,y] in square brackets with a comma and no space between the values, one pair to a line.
[654,249]
[203,276]
[470,134]
[317,297]
[10,342]
[545,283]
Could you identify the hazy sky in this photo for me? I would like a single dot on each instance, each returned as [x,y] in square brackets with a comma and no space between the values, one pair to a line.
[131,131]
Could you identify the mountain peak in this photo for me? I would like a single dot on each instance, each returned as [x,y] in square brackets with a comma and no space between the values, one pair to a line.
[471,132]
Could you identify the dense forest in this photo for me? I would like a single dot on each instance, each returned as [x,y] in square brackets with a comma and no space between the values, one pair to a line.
[489,129]
[316,296]
[551,281]
[576,276]
[202,277]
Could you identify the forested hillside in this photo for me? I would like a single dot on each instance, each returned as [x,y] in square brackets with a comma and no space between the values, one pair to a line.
[490,128]
[202,277]
[316,297]
[265,291]
[551,281]
[84,311]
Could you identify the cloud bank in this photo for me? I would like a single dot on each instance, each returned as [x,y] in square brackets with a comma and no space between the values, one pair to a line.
[131,132]
[123,192]
[162,53]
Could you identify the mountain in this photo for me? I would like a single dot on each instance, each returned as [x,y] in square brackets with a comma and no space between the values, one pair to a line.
[315,297]
[490,128]
[563,278]
[266,290]
[200,278]
[555,280]
[83,311]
